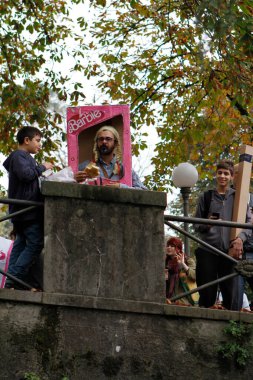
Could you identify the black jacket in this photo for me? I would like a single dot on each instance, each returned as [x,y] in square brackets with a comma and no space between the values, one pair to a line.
[24,175]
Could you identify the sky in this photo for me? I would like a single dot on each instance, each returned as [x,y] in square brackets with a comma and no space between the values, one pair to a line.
[141,164]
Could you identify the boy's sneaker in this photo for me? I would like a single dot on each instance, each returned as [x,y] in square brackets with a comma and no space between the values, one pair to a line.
[9,284]
[13,285]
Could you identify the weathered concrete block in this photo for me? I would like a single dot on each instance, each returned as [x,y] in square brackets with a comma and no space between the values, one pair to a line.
[104,242]
[56,337]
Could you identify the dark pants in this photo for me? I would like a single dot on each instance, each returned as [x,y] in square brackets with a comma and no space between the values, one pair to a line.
[249,256]
[210,267]
[26,250]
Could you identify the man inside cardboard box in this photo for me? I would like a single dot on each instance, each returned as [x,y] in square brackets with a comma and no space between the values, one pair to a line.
[107,161]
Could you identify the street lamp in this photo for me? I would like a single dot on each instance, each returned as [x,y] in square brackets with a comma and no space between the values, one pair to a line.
[185,176]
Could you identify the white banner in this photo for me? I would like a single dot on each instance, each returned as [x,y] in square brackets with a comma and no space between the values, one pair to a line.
[5,251]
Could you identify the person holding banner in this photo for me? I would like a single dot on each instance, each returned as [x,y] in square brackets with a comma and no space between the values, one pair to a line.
[108,160]
[24,175]
[248,240]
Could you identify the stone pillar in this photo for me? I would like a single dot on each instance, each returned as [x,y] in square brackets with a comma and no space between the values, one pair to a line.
[104,242]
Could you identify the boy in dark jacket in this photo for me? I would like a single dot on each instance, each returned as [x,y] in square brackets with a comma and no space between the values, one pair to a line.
[24,175]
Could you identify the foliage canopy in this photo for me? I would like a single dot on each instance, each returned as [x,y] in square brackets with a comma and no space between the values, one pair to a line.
[186,68]
[34,39]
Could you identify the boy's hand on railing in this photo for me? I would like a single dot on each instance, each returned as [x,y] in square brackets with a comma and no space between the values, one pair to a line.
[236,248]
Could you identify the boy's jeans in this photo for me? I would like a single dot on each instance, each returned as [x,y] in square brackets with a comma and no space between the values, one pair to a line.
[26,249]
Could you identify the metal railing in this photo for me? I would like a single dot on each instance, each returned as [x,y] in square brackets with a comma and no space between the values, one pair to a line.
[31,205]
[168,221]
[239,265]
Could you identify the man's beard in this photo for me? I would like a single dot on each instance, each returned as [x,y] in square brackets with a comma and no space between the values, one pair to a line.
[104,150]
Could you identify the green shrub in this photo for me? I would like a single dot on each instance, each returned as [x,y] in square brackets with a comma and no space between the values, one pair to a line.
[238,348]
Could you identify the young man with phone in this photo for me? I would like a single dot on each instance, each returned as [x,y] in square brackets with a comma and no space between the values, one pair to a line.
[217,204]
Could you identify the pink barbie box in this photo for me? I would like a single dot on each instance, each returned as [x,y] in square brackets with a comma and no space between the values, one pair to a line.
[82,125]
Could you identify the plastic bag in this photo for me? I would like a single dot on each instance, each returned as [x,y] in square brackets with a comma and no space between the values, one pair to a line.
[64,175]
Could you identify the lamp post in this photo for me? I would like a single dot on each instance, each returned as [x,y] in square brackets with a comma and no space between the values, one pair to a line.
[185,176]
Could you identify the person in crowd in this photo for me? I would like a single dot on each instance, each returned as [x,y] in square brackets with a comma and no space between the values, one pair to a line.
[24,175]
[245,303]
[218,204]
[179,273]
[108,158]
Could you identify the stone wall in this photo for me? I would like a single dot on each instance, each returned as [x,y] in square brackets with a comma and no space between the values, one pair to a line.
[102,314]
[78,338]
[104,242]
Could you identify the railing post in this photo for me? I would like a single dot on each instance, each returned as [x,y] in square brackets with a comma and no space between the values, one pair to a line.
[185,191]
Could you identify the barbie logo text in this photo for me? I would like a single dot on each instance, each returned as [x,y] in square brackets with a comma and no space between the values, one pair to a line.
[86,118]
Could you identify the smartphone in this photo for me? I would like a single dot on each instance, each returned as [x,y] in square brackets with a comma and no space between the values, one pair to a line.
[215,215]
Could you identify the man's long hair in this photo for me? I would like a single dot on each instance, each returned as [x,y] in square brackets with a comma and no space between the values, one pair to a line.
[117,149]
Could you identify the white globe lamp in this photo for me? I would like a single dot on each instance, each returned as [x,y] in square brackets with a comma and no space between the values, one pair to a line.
[185,176]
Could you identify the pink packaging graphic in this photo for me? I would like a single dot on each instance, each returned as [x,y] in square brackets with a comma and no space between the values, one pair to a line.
[82,124]
[100,181]
[5,251]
